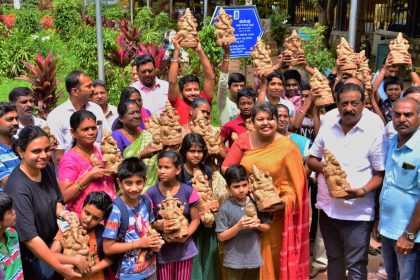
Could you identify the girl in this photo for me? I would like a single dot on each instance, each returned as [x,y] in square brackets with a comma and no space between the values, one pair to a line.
[206,264]
[174,260]
[78,175]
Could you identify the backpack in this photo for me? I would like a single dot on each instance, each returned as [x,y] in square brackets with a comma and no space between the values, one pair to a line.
[124,222]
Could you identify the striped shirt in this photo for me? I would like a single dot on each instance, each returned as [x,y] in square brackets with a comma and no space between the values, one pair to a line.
[8,161]
[10,261]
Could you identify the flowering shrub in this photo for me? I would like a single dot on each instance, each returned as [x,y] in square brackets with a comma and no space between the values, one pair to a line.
[8,20]
[46,22]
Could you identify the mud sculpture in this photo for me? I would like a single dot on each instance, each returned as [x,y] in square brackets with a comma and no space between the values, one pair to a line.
[261,56]
[293,48]
[346,55]
[171,209]
[51,137]
[250,212]
[399,49]
[208,202]
[320,81]
[153,127]
[75,241]
[224,30]
[171,131]
[213,140]
[335,176]
[364,73]
[265,193]
[111,156]
[187,26]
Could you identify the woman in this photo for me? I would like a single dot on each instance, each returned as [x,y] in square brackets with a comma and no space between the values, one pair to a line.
[80,171]
[133,94]
[285,247]
[38,202]
[127,128]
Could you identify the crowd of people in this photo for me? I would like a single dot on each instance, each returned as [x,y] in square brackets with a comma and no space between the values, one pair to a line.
[275,127]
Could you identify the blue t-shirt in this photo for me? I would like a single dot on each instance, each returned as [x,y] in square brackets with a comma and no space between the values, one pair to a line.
[139,263]
[8,161]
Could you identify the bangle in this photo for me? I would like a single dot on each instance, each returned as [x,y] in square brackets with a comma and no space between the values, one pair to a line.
[79,187]
[300,111]
[226,59]
[174,60]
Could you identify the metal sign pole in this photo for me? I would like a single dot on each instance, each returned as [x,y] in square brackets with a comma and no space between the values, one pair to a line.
[99,40]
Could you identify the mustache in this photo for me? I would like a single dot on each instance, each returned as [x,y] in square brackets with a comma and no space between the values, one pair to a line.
[30,108]
[402,125]
[349,113]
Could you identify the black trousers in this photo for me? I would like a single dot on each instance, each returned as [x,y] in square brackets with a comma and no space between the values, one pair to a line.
[347,246]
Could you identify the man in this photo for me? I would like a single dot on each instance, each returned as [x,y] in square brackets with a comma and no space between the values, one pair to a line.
[272,90]
[24,101]
[400,196]
[100,97]
[356,138]
[80,90]
[246,103]
[182,93]
[154,91]
[9,125]
[232,83]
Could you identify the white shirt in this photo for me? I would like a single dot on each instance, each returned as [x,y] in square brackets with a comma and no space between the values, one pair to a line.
[35,121]
[59,122]
[111,115]
[390,130]
[288,104]
[154,99]
[360,152]
[228,110]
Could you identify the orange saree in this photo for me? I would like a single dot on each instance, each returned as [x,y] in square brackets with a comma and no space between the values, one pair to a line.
[285,247]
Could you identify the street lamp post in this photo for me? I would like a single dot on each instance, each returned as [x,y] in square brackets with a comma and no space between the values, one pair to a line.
[352,23]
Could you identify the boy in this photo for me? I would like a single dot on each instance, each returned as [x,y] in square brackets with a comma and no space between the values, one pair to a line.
[292,81]
[231,83]
[127,227]
[182,94]
[242,257]
[246,102]
[393,87]
[10,261]
[96,207]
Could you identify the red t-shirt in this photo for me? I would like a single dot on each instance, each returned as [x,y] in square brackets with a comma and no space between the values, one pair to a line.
[183,108]
[236,125]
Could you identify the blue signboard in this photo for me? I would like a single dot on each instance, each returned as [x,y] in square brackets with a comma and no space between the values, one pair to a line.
[247,28]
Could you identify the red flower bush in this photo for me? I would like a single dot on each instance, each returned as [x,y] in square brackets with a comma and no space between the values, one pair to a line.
[8,20]
[46,22]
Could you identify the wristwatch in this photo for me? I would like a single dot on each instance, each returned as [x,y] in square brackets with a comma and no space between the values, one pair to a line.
[410,236]
[412,69]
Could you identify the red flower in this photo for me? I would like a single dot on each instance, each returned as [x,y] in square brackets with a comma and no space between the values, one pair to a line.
[8,20]
[46,22]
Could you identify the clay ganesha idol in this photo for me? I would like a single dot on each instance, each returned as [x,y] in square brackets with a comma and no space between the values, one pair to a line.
[208,202]
[399,49]
[346,54]
[293,48]
[171,209]
[224,30]
[335,176]
[187,26]
[111,156]
[75,241]
[265,193]
[250,212]
[320,81]
[261,56]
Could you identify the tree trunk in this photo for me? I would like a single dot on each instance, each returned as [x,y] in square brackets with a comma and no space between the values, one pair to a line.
[325,10]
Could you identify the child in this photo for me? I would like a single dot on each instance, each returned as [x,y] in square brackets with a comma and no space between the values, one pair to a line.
[96,207]
[126,229]
[175,258]
[242,257]
[206,264]
[10,261]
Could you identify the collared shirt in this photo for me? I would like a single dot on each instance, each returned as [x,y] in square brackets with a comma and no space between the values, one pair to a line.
[286,103]
[35,121]
[234,126]
[154,98]
[360,152]
[8,161]
[228,110]
[59,122]
[390,130]
[111,115]
[401,188]
[10,259]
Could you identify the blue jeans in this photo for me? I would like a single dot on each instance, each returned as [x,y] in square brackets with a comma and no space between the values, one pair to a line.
[406,266]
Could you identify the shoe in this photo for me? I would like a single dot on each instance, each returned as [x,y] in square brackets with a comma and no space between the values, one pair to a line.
[315,271]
